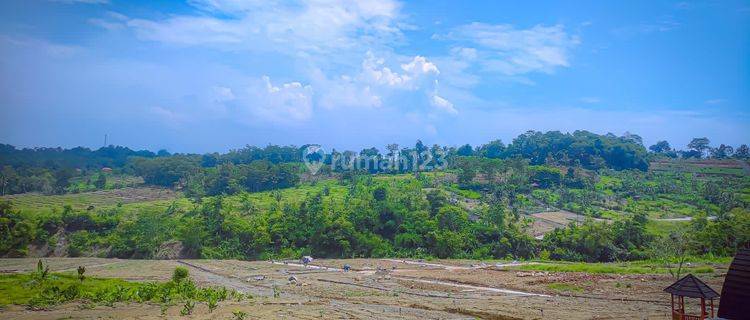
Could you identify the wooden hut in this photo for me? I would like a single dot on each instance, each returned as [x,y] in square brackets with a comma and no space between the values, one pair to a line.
[735,293]
[691,287]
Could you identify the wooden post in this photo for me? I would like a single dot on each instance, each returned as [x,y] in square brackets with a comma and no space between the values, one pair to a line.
[682,305]
[671,295]
[703,308]
[712,308]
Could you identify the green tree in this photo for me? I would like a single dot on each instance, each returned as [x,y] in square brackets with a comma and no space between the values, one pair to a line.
[465,151]
[661,147]
[742,152]
[700,145]
[101,181]
[493,149]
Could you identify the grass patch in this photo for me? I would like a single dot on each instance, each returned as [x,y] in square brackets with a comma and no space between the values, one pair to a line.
[39,290]
[20,289]
[657,227]
[637,267]
[564,287]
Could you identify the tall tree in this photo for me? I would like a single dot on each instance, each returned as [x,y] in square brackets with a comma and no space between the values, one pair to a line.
[661,147]
[493,149]
[700,145]
[465,150]
[722,152]
[101,181]
[743,152]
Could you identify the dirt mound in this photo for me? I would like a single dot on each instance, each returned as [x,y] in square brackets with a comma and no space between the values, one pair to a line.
[170,250]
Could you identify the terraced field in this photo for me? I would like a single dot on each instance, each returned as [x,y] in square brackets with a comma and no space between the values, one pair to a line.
[102,198]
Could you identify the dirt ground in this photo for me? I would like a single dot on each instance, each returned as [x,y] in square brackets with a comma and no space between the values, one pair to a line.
[375,289]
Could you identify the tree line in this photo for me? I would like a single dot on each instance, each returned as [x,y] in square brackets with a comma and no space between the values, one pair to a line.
[57,170]
[700,148]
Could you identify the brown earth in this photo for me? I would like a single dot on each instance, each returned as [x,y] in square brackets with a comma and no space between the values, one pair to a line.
[374,289]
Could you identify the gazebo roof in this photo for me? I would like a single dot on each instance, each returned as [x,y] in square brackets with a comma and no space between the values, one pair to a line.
[690,286]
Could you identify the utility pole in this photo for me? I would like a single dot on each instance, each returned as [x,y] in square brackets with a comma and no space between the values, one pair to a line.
[105,140]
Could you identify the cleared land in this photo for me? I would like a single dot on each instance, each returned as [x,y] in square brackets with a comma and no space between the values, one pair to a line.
[101,198]
[380,289]
[703,167]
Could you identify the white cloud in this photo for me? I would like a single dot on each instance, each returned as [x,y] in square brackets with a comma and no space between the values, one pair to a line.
[442,104]
[510,51]
[419,65]
[665,24]
[411,76]
[590,100]
[464,53]
[223,94]
[170,117]
[375,82]
[345,91]
[289,101]
[309,26]
[51,49]
[715,101]
[186,30]
[320,39]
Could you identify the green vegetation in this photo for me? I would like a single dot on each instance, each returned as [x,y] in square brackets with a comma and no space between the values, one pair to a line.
[41,290]
[421,202]
[564,287]
[636,267]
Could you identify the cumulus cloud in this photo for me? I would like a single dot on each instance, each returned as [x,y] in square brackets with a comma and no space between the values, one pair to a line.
[330,35]
[288,101]
[411,75]
[377,82]
[345,91]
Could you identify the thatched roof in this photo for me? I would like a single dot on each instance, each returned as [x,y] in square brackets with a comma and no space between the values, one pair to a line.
[735,294]
[690,286]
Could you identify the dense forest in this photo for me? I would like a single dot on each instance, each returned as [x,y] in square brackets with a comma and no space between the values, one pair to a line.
[439,201]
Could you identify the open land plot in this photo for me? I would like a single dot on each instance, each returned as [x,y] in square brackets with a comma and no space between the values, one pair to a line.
[375,289]
[101,198]
[703,167]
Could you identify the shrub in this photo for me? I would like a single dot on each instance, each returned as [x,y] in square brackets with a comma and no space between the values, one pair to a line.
[212,304]
[239,315]
[187,308]
[179,274]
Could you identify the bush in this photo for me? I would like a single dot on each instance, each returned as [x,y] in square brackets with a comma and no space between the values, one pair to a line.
[179,274]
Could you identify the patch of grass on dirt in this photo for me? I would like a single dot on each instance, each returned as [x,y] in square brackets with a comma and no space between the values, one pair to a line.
[466,193]
[637,267]
[702,270]
[22,288]
[657,227]
[564,287]
[586,267]
[39,290]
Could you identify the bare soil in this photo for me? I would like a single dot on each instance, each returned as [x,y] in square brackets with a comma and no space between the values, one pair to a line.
[374,289]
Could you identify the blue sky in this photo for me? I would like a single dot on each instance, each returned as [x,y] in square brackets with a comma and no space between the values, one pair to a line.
[211,75]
